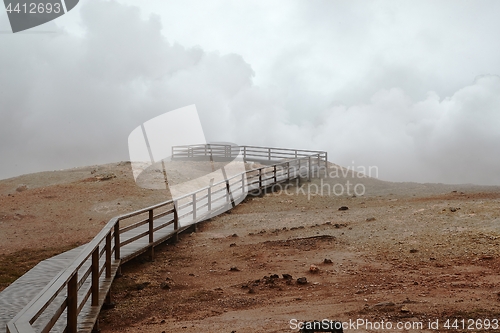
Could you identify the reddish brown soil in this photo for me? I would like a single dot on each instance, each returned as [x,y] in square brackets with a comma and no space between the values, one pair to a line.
[400,253]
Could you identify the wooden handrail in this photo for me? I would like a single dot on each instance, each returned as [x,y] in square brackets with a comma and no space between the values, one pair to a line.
[110,233]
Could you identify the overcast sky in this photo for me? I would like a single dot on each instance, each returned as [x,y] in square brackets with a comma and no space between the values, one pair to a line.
[411,87]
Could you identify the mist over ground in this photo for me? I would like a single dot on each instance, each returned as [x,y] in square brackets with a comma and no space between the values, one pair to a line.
[412,89]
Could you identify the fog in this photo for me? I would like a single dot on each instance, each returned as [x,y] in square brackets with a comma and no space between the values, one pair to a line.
[411,88]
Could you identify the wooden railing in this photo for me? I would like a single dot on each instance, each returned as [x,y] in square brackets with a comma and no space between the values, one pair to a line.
[247,152]
[72,300]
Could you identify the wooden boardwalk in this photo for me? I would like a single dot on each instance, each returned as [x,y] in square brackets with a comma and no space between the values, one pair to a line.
[94,275]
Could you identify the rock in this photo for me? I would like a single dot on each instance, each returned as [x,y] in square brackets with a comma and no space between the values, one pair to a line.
[234,269]
[408,301]
[370,219]
[413,251]
[141,286]
[22,187]
[232,245]
[274,276]
[313,269]
[287,276]
[453,210]
[234,235]
[344,208]
[165,286]
[327,261]
[302,280]
[404,309]
[105,176]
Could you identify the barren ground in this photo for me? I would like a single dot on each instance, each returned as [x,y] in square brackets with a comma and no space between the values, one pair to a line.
[403,252]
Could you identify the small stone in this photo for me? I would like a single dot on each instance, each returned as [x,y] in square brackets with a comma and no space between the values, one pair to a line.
[343,208]
[404,309]
[287,276]
[234,235]
[413,251]
[21,188]
[232,245]
[370,219]
[327,261]
[234,269]
[302,280]
[274,276]
[165,286]
[313,269]
[453,210]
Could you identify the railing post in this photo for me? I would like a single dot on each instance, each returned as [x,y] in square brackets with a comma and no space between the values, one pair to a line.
[108,255]
[274,171]
[269,153]
[194,206]
[310,170]
[326,164]
[72,304]
[151,234]
[260,178]
[243,183]
[244,153]
[117,240]
[209,197]
[95,277]
[176,221]
[287,171]
[151,226]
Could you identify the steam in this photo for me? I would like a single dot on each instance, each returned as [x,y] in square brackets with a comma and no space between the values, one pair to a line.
[72,99]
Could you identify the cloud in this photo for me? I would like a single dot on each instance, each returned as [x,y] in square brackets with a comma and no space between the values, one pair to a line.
[72,99]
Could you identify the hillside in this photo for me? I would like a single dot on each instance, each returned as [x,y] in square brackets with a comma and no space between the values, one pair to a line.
[401,251]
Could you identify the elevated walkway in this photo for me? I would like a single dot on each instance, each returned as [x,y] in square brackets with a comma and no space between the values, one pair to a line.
[65,293]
